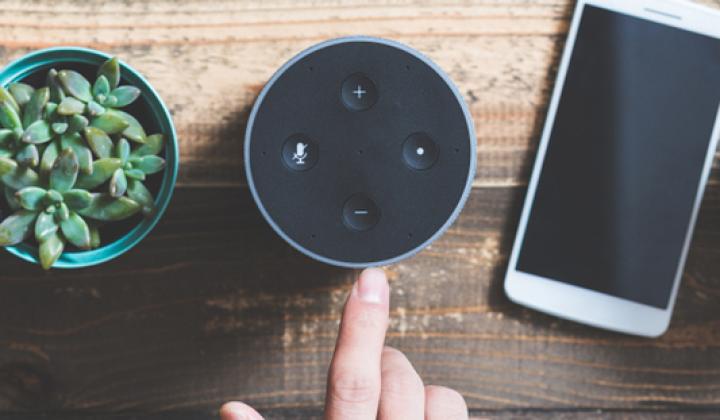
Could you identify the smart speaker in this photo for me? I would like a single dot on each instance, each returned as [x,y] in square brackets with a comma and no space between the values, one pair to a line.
[360,152]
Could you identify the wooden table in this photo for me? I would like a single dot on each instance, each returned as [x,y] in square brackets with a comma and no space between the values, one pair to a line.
[214,306]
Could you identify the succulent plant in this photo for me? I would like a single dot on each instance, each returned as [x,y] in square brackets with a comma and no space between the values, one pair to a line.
[59,145]
[57,212]
[127,170]
[20,136]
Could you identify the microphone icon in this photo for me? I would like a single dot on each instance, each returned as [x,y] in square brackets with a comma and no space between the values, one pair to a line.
[300,153]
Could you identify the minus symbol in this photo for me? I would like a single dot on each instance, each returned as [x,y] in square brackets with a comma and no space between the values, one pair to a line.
[360,212]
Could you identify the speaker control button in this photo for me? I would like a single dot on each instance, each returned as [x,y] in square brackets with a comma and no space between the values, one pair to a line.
[358,92]
[360,213]
[419,151]
[300,153]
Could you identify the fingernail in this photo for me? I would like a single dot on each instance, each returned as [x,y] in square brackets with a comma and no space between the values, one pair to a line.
[372,285]
[234,411]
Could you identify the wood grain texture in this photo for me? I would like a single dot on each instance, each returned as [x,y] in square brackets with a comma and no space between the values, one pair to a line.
[209,59]
[214,306]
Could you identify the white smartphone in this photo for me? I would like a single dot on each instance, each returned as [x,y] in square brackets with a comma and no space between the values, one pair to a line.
[623,161]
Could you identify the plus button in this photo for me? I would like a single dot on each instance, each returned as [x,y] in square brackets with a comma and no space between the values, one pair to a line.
[358,92]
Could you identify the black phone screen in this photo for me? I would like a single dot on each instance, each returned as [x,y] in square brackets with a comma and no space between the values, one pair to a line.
[625,158]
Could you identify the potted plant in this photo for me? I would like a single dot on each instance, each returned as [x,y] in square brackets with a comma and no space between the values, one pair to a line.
[88,157]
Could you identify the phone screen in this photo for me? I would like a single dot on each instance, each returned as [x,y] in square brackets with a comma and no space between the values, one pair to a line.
[624,162]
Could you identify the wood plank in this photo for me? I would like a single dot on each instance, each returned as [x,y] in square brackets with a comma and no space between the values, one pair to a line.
[209,59]
[214,306]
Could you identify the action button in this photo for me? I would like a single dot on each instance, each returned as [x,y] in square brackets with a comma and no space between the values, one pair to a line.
[299,153]
[419,151]
[358,92]
[360,213]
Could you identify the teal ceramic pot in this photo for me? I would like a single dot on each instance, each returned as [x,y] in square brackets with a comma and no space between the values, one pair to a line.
[152,113]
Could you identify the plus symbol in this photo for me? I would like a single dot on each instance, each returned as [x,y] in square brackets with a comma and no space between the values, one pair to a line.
[359,92]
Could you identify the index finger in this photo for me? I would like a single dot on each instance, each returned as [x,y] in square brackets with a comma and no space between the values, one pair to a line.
[354,378]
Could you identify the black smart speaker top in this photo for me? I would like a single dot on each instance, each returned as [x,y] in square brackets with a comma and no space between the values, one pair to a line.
[359,152]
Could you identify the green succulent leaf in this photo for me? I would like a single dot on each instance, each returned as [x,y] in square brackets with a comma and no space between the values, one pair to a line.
[110,122]
[62,213]
[7,143]
[106,208]
[94,236]
[10,198]
[122,150]
[134,130]
[75,84]
[16,176]
[16,227]
[50,250]
[65,171]
[135,174]
[125,95]
[49,155]
[54,197]
[77,199]
[149,164]
[23,177]
[76,231]
[118,183]
[95,109]
[59,128]
[70,106]
[56,92]
[154,144]
[33,109]
[31,198]
[7,166]
[101,88]
[111,70]
[7,137]
[37,133]
[110,101]
[28,155]
[99,142]
[49,112]
[6,97]
[77,123]
[9,118]
[45,226]
[75,142]
[102,171]
[138,192]
[21,92]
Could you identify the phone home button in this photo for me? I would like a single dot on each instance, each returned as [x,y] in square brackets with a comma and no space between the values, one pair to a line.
[299,153]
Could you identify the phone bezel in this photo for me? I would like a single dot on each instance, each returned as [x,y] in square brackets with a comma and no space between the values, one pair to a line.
[584,305]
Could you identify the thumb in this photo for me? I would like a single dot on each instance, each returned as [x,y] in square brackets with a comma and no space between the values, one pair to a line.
[238,411]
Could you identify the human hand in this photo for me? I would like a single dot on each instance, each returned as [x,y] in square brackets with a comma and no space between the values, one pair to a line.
[367,380]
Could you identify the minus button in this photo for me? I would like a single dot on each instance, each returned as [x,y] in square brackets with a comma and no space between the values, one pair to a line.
[360,213]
